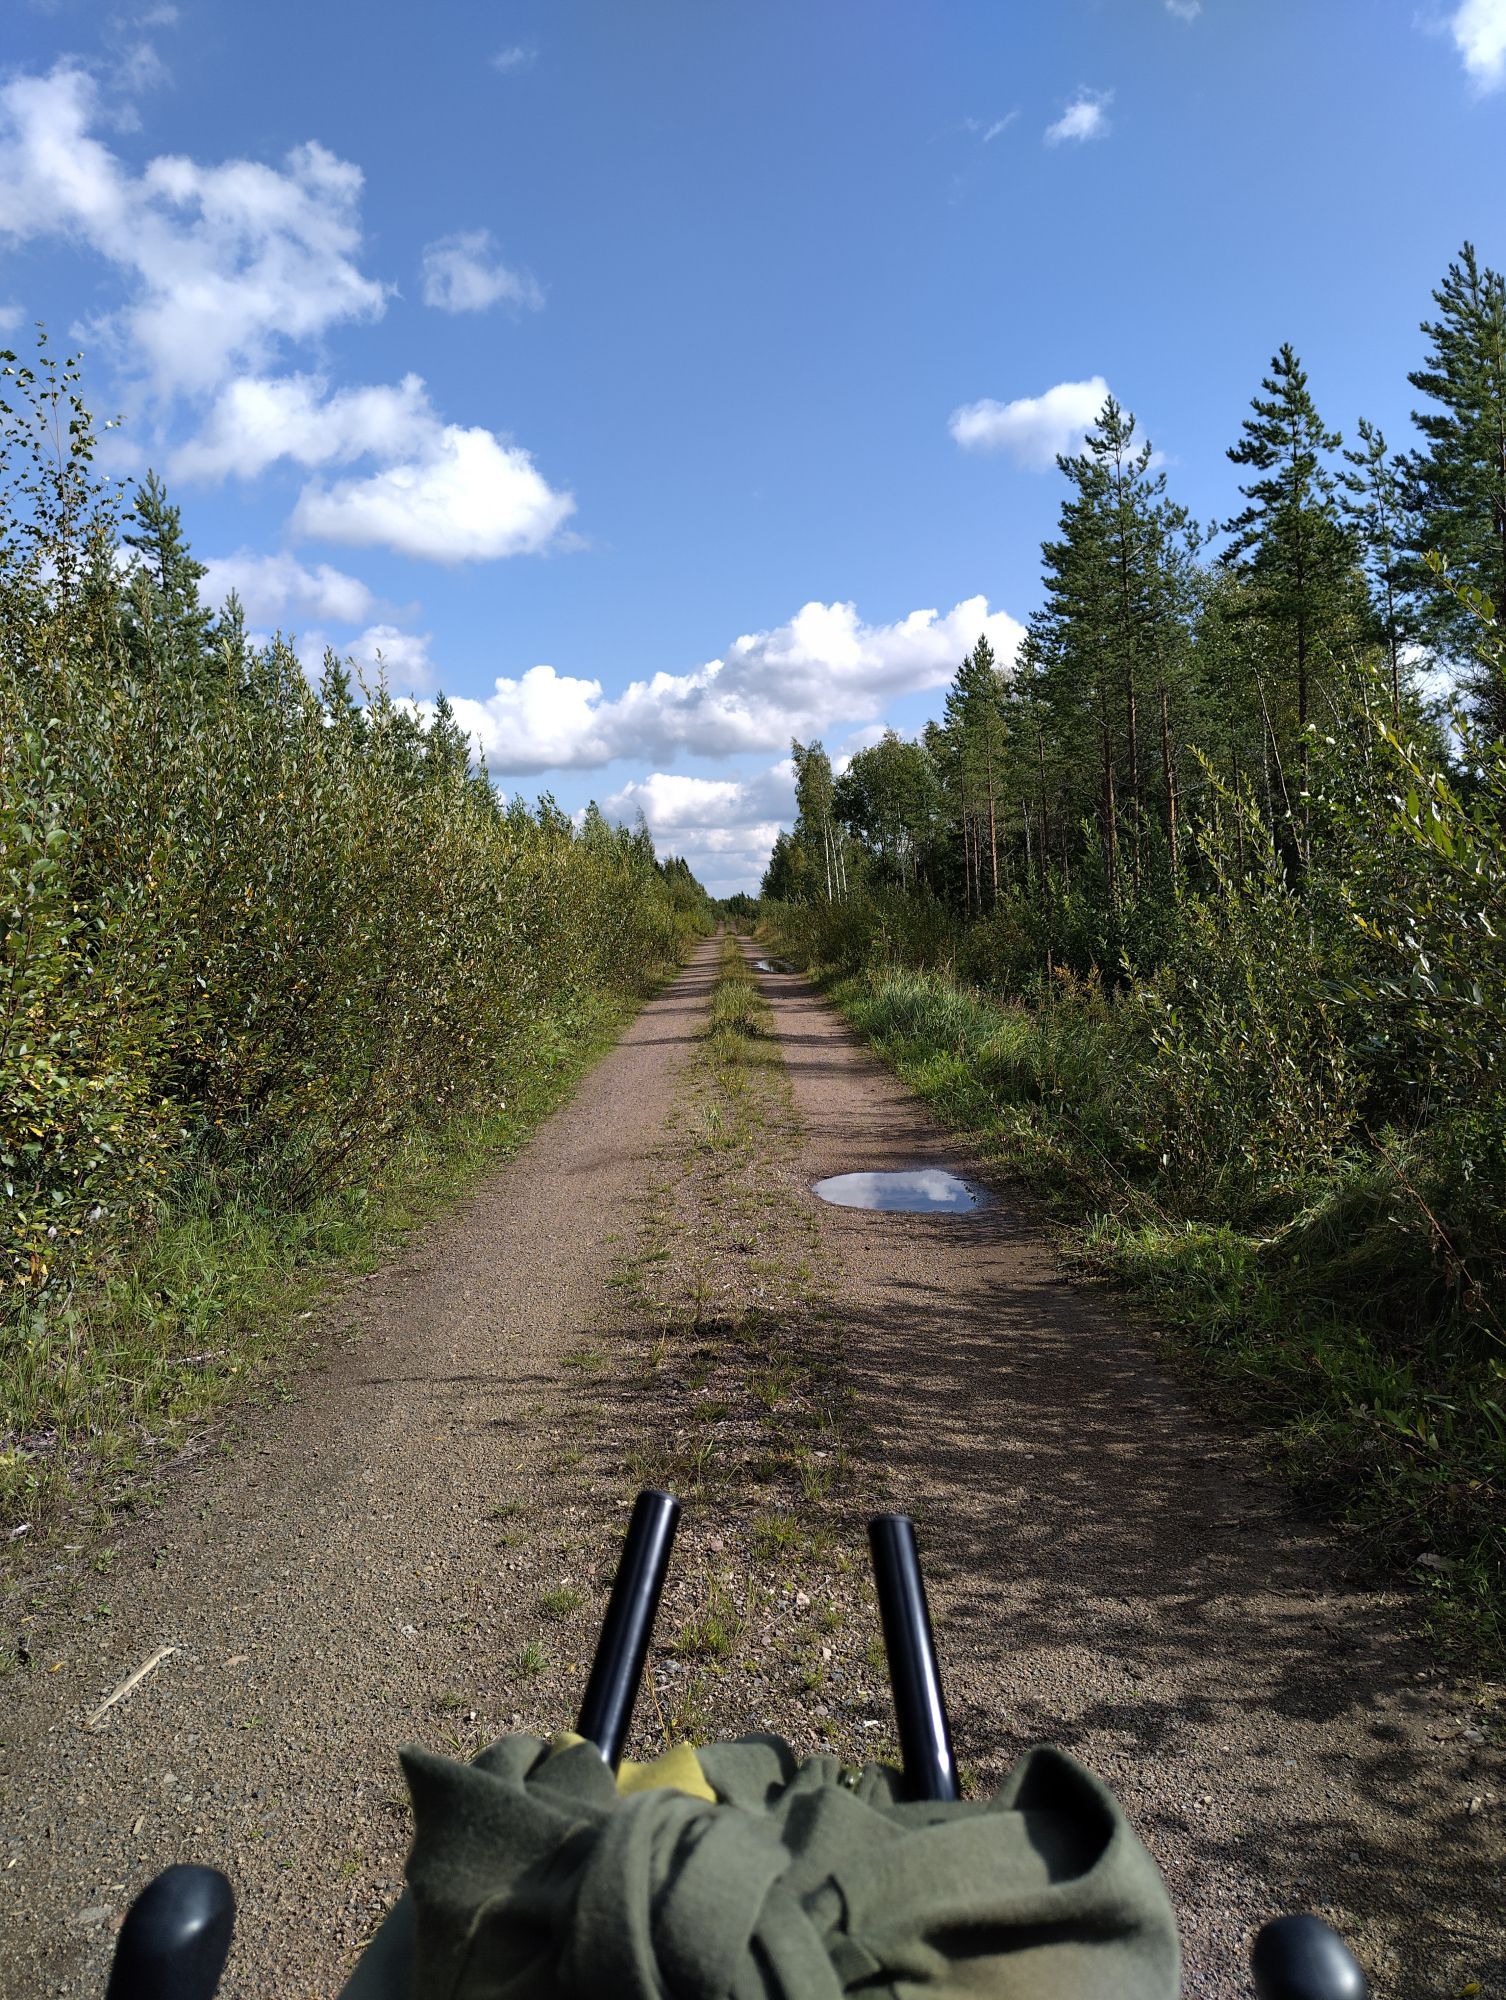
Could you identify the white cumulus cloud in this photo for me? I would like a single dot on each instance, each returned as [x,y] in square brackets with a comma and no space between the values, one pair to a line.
[277,590]
[442,492]
[462,273]
[1086,117]
[463,496]
[724,827]
[508,60]
[259,419]
[825,667]
[225,266]
[403,657]
[1033,430]
[224,263]
[1185,10]
[1479,32]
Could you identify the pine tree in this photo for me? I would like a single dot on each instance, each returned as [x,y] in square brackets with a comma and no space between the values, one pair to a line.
[1458,482]
[165,622]
[1291,546]
[1111,643]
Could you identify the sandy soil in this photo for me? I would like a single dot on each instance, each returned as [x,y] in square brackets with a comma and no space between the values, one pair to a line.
[417,1547]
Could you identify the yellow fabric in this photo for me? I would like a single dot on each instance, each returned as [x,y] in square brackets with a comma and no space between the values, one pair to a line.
[676,1770]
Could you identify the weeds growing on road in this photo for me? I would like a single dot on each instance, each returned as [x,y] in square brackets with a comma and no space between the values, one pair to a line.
[737,1402]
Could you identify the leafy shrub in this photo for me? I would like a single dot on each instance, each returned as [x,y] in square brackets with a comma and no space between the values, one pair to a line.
[254,930]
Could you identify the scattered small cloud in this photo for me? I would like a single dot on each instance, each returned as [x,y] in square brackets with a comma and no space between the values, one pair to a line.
[1185,10]
[1032,430]
[986,130]
[462,273]
[1086,117]
[506,61]
[10,318]
[1479,32]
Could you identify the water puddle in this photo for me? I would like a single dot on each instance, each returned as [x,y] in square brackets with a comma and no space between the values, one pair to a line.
[920,1191]
[770,965]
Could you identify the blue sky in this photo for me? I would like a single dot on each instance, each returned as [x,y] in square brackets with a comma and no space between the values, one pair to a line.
[661,380]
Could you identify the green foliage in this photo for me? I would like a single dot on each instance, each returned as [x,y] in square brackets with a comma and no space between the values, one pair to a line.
[1250,1087]
[1457,481]
[255,936]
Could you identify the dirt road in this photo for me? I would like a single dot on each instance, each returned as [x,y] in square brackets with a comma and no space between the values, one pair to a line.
[416,1546]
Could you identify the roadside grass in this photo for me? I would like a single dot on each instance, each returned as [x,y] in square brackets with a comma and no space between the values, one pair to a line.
[1303,1331]
[98,1389]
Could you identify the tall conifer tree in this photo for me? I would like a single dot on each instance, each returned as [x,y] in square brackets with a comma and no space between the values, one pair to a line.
[1458,481]
[1293,549]
[1376,509]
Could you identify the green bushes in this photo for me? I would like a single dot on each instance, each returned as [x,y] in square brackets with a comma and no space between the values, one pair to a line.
[258,936]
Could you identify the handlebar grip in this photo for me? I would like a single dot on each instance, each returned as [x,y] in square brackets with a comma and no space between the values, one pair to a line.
[607,1706]
[925,1738]
[1301,1958]
[175,1938]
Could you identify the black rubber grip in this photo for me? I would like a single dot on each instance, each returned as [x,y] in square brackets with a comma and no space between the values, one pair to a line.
[1301,1958]
[175,1938]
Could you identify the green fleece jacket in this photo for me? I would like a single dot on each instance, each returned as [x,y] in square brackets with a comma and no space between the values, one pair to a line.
[532,1877]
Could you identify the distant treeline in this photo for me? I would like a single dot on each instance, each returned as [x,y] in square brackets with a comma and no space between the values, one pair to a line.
[1201,906]
[255,932]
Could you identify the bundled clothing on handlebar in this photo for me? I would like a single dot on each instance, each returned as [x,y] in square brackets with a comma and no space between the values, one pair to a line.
[739,1872]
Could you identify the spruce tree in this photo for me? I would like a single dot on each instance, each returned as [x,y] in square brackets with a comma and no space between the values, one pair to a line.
[165,622]
[447,750]
[1376,509]
[974,715]
[1458,481]
[229,645]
